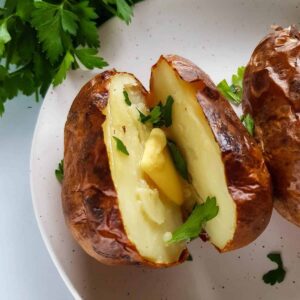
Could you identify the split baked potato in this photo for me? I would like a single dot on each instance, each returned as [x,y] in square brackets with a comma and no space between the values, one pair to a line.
[272,97]
[112,211]
[223,159]
[121,191]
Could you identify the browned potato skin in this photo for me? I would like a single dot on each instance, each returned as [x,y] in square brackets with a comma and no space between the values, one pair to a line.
[89,198]
[247,177]
[272,97]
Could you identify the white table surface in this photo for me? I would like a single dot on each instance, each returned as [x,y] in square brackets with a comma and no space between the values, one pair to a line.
[26,270]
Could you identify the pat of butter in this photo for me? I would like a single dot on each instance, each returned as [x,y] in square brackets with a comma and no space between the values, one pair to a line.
[158,165]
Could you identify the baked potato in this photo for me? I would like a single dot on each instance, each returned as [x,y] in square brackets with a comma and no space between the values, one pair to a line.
[272,97]
[122,194]
[223,159]
[112,211]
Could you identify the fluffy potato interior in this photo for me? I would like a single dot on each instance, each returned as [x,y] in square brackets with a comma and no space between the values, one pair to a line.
[193,135]
[146,215]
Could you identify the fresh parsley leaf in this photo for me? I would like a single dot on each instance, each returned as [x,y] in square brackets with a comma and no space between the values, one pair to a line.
[126,98]
[233,92]
[63,69]
[88,57]
[69,21]
[46,19]
[178,159]
[59,172]
[87,33]
[143,118]
[160,115]
[167,112]
[120,146]
[248,123]
[4,36]
[24,9]
[120,8]
[192,227]
[41,40]
[237,79]
[124,11]
[277,275]
[155,116]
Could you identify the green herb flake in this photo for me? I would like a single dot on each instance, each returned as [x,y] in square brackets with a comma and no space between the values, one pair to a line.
[178,160]
[59,172]
[120,146]
[233,92]
[167,111]
[248,123]
[160,115]
[126,98]
[277,275]
[155,116]
[192,227]
[143,118]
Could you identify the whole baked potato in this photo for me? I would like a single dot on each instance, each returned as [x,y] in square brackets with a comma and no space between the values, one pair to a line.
[272,97]
[122,193]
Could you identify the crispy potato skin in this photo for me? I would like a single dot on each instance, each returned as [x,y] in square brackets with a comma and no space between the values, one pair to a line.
[247,177]
[272,97]
[89,198]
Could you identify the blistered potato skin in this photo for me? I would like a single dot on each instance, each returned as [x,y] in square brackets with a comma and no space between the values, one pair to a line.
[272,97]
[247,177]
[89,198]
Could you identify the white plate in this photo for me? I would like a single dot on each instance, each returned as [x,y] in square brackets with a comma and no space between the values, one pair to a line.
[219,36]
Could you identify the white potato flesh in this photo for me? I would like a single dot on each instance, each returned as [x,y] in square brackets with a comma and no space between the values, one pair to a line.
[146,216]
[193,135]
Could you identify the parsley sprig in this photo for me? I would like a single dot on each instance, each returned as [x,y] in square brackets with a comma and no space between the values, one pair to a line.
[178,160]
[233,92]
[248,122]
[160,115]
[277,275]
[59,172]
[192,227]
[120,146]
[41,40]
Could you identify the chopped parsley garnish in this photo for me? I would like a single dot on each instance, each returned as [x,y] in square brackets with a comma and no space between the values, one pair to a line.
[193,225]
[155,115]
[143,118]
[59,172]
[167,112]
[120,146]
[126,98]
[178,160]
[160,115]
[248,123]
[233,92]
[276,275]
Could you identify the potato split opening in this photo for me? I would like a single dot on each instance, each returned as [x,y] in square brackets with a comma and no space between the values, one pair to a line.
[193,135]
[145,213]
